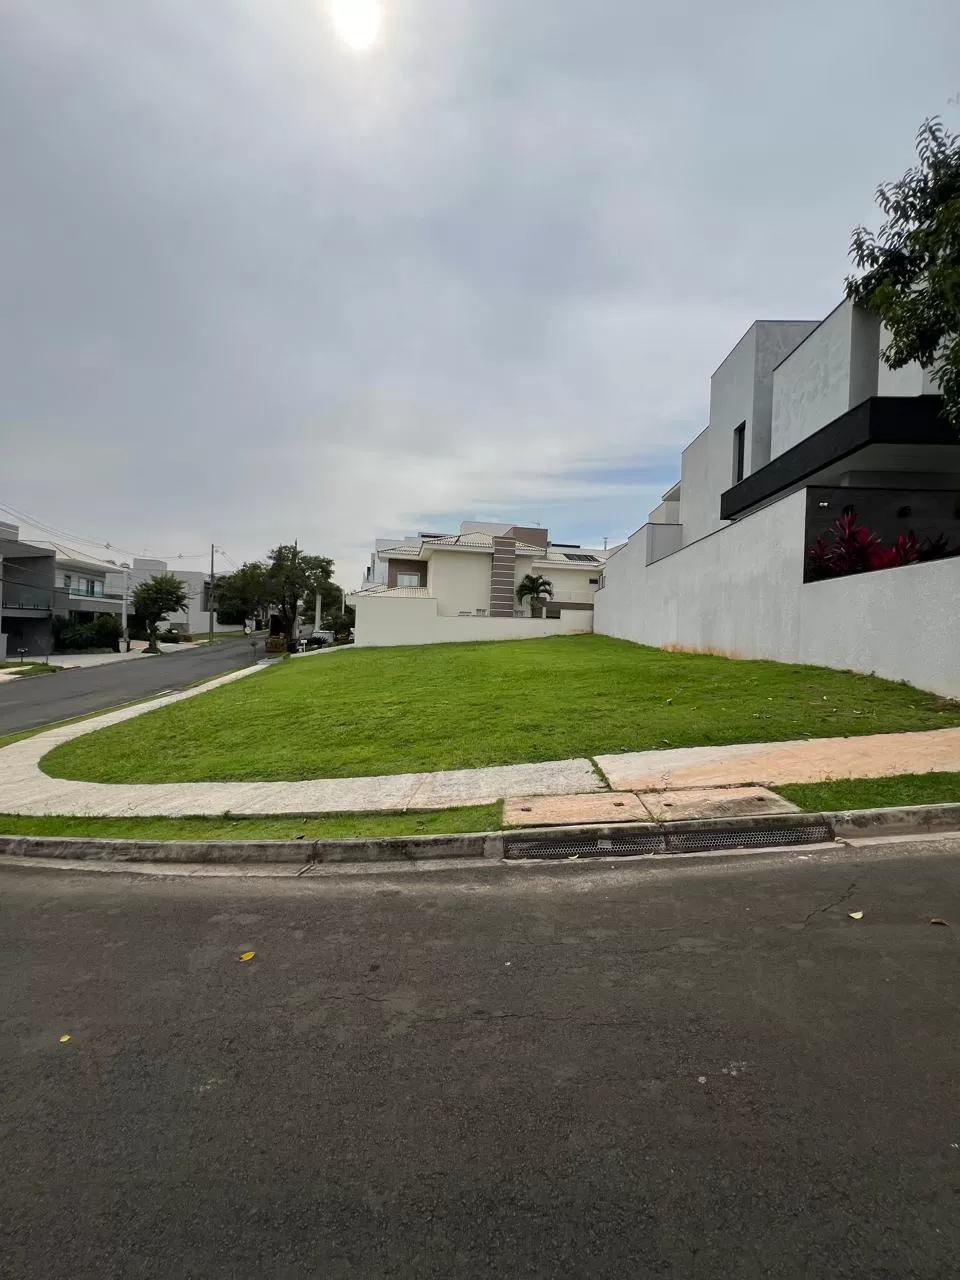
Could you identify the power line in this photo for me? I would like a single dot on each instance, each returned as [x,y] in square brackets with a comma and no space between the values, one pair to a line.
[64,534]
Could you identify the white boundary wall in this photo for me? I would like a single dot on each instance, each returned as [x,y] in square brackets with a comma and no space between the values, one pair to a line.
[414,620]
[740,592]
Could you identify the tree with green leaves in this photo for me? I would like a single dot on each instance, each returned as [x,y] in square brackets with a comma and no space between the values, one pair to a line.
[911,269]
[242,594]
[291,575]
[153,599]
[535,588]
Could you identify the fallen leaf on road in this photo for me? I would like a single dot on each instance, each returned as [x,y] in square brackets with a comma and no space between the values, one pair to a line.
[246,955]
[64,1039]
[937,920]
[855,915]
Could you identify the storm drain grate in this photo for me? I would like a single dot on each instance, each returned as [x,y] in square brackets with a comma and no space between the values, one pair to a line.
[625,845]
[702,841]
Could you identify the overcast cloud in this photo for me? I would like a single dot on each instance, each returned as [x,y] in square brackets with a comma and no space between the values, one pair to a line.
[256,286]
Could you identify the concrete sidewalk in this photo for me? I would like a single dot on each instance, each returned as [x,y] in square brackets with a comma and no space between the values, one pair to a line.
[67,661]
[26,790]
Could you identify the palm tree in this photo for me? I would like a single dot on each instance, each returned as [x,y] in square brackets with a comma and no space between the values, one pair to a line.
[537,589]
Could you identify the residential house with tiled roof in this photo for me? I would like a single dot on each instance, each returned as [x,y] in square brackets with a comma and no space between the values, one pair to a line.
[462,586]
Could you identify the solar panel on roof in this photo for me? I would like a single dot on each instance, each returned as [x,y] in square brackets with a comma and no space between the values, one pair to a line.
[581,559]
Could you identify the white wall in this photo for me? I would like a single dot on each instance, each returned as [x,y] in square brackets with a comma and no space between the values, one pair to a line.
[396,620]
[911,380]
[193,618]
[740,592]
[835,368]
[666,513]
[459,580]
[572,582]
[704,474]
[741,391]
[774,341]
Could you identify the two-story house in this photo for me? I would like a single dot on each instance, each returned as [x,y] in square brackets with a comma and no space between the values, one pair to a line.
[462,586]
[817,516]
[43,580]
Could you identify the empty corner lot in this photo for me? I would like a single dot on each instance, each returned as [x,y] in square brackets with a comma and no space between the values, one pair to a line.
[385,711]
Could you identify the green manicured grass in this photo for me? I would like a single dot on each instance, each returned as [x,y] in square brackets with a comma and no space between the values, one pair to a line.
[26,669]
[874,793]
[8,738]
[341,826]
[385,711]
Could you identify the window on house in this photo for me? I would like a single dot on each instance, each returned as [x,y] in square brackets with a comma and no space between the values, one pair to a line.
[739,450]
[594,582]
[67,581]
[408,579]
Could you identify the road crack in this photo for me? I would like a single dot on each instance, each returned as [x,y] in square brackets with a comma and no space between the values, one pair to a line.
[844,897]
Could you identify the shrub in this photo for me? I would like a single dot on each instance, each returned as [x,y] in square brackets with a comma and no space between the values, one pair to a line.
[852,548]
[102,632]
[107,632]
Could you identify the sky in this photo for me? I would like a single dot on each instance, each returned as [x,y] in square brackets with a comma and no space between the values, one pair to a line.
[258,285]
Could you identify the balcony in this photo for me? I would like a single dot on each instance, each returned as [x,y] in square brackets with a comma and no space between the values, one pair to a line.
[573,597]
[73,600]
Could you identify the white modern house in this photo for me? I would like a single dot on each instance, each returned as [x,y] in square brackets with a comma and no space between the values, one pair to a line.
[195,619]
[438,588]
[817,516]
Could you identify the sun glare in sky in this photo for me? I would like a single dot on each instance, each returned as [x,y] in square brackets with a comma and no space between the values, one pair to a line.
[357,22]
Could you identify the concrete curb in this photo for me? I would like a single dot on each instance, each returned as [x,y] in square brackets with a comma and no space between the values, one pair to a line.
[540,843]
[908,820]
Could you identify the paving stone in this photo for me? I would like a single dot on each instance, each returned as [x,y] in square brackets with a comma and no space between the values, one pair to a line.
[875,755]
[545,811]
[714,802]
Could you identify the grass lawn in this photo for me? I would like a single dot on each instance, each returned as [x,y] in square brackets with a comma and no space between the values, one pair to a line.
[875,793]
[384,711]
[25,669]
[338,826]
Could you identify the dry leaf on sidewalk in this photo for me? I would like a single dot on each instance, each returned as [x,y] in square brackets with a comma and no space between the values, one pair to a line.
[64,1039]
[246,955]
[855,915]
[937,920]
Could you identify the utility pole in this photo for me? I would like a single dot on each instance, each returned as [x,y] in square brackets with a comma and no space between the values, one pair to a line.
[123,610]
[210,600]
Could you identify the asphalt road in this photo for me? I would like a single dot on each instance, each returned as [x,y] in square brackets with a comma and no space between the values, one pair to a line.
[37,700]
[683,1069]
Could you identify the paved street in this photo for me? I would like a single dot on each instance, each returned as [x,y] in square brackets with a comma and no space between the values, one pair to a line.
[44,699]
[685,1069]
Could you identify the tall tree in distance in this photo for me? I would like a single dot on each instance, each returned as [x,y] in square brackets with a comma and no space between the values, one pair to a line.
[153,599]
[243,594]
[911,268]
[292,575]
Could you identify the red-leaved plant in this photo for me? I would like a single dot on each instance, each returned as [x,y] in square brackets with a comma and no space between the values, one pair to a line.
[852,548]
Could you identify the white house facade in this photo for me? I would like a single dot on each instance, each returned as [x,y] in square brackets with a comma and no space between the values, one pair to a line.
[438,588]
[195,619]
[817,517]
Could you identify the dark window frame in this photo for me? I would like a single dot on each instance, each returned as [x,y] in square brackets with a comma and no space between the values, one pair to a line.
[739,451]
